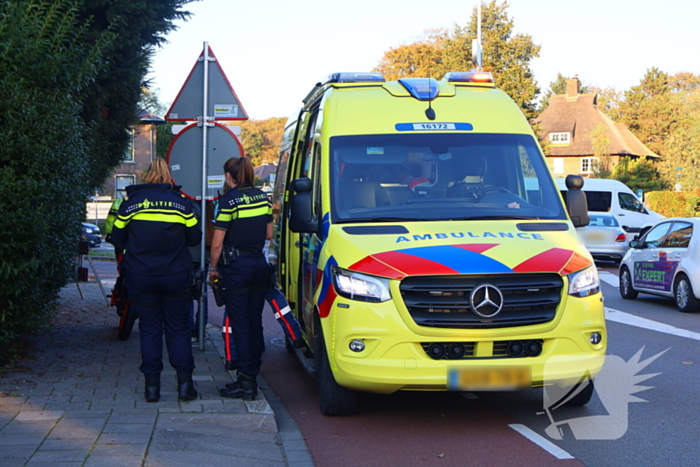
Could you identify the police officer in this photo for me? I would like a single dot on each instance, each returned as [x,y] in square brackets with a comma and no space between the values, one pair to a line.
[155,225]
[243,224]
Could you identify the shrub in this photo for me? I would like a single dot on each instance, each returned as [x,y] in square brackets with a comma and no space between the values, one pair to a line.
[43,157]
[71,73]
[673,204]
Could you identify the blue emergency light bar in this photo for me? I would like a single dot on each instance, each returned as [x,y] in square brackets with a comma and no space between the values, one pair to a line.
[468,77]
[355,78]
[423,89]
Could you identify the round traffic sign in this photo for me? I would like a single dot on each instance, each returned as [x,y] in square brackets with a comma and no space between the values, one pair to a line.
[185,159]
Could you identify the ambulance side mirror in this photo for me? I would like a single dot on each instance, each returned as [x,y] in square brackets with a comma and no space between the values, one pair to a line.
[576,202]
[302,216]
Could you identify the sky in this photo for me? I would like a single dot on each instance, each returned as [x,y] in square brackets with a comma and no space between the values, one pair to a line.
[274,51]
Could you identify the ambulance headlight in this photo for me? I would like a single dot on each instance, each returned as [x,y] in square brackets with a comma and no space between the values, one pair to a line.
[356,286]
[584,283]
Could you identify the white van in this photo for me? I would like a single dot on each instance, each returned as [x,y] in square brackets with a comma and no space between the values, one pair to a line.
[613,196]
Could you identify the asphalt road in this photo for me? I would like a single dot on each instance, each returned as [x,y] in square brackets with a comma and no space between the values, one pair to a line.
[465,429]
[448,429]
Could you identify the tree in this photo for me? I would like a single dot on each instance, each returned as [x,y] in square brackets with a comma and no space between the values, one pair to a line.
[664,113]
[150,102]
[110,101]
[46,62]
[647,110]
[608,100]
[505,54]
[681,162]
[261,139]
[601,151]
[71,73]
[639,174]
[419,59]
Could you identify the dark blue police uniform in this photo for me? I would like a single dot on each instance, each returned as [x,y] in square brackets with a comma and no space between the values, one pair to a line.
[244,213]
[155,226]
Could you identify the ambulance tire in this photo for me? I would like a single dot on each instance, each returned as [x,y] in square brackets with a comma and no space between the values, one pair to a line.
[333,398]
[684,295]
[583,397]
[126,323]
[626,289]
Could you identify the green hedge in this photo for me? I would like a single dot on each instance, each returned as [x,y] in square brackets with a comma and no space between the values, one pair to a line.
[44,163]
[673,204]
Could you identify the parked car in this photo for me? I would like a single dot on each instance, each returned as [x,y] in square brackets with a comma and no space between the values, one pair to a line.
[614,197]
[604,237]
[91,233]
[665,262]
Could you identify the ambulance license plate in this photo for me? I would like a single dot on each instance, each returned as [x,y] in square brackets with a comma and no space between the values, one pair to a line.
[489,379]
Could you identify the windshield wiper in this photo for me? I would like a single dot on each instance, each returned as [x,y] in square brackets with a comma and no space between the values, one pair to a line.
[496,218]
[378,219]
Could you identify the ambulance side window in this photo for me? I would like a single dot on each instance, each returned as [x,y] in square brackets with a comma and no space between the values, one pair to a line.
[308,141]
[679,236]
[316,178]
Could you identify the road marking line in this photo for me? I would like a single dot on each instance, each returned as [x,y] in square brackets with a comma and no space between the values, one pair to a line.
[637,321]
[609,278]
[545,444]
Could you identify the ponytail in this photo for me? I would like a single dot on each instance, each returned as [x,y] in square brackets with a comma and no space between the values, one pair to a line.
[241,171]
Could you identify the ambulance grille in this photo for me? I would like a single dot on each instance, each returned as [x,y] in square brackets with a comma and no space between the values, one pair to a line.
[443,301]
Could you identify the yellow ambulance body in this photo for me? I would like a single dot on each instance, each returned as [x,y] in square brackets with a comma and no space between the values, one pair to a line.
[423,244]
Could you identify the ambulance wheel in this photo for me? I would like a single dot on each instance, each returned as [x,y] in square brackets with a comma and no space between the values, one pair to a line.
[126,323]
[583,397]
[683,293]
[626,289]
[334,399]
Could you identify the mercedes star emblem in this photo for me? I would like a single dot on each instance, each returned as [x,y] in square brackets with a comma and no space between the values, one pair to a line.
[486,300]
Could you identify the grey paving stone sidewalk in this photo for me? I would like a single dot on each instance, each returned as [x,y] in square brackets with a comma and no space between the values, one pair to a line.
[77,400]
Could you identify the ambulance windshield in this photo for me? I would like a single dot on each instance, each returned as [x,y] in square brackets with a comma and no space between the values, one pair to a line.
[440,177]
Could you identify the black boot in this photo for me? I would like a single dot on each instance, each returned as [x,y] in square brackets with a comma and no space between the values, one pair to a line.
[185,386]
[152,387]
[245,387]
[231,365]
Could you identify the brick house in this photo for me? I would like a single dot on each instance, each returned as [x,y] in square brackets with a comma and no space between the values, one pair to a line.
[568,126]
[141,152]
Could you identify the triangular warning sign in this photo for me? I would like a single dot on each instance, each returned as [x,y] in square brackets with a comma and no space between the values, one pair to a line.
[223,104]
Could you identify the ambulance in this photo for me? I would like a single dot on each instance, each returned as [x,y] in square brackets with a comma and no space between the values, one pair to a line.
[424,246]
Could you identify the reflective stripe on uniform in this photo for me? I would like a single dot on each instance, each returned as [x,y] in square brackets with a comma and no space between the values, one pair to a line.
[157,215]
[261,208]
[280,316]
[282,312]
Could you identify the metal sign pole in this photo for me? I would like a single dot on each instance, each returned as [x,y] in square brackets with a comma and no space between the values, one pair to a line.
[203,213]
[181,155]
